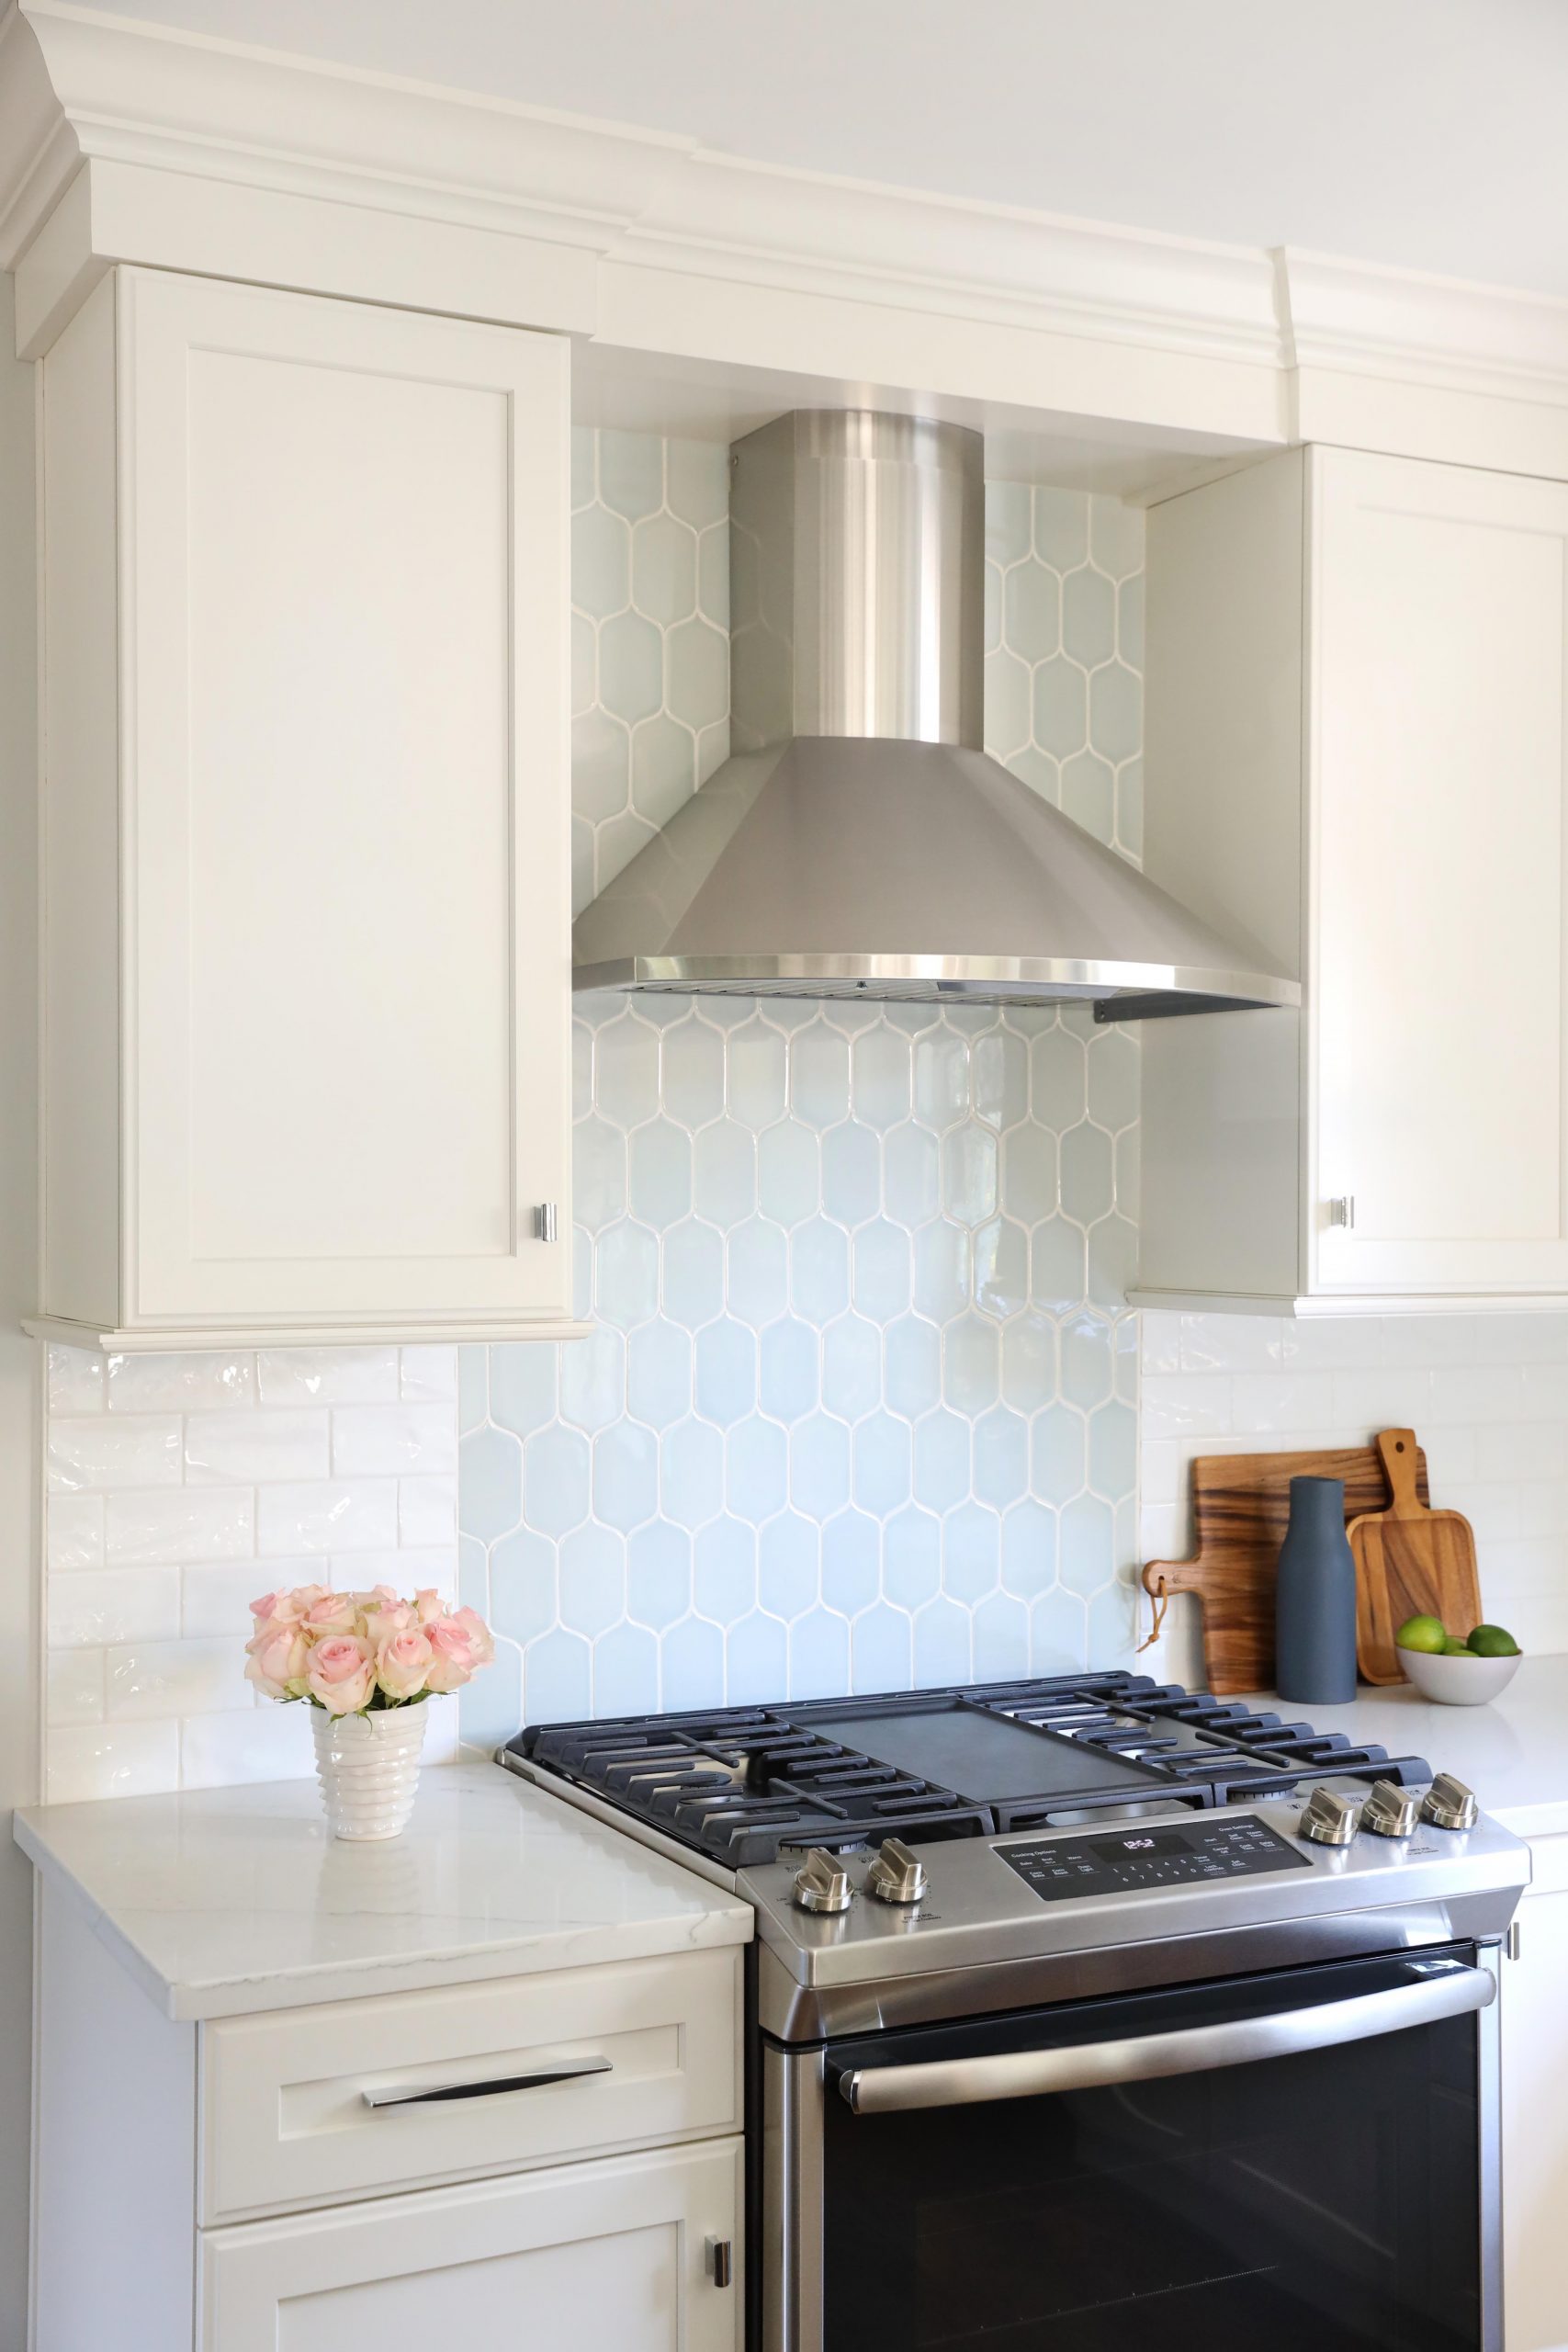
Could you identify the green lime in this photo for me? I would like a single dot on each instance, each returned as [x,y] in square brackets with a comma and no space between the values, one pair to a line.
[1421,1633]
[1454,1647]
[1493,1641]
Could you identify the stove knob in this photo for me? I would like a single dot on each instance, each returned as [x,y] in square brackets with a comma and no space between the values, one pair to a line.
[1389,1810]
[1329,1819]
[1449,1804]
[896,1875]
[822,1884]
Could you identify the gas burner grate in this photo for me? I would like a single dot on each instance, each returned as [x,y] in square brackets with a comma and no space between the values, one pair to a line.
[741,1785]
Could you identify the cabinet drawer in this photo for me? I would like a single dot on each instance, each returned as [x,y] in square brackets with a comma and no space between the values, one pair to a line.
[580,2063]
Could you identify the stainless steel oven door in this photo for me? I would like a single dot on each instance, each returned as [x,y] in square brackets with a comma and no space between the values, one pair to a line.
[1307,2159]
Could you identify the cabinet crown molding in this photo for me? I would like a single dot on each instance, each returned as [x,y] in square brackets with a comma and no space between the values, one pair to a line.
[590,203]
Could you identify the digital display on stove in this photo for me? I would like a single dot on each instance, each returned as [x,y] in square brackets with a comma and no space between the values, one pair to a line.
[1066,1869]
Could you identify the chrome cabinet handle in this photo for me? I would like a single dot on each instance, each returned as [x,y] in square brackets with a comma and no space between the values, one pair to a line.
[567,2071]
[1034,2074]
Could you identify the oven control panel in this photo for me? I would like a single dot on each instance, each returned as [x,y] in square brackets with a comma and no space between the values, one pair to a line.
[1066,1869]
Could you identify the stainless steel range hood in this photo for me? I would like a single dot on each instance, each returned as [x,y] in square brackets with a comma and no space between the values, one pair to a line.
[860,842]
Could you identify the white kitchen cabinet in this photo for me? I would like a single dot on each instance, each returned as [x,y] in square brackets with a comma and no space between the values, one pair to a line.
[593,2255]
[1535,2117]
[306,808]
[575,2203]
[1356,695]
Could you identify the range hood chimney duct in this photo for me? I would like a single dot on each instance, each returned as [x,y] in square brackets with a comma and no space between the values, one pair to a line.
[859,841]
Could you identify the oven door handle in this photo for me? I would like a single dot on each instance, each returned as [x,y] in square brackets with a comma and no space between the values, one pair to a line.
[1141,2058]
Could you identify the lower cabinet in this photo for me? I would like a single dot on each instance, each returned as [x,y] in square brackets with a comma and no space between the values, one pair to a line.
[618,2254]
[1535,2111]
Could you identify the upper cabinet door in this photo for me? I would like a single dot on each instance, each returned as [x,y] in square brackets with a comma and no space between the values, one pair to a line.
[1436,973]
[344,960]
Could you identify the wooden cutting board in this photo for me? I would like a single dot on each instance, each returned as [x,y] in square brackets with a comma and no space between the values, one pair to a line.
[1410,1562]
[1241,1503]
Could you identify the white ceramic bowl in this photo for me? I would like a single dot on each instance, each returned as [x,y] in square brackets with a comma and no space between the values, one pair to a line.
[1458,1681]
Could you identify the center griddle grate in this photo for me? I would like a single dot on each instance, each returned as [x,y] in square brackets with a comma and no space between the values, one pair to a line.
[742,1783]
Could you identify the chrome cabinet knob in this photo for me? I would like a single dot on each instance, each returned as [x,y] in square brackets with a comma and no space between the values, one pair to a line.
[896,1875]
[1329,1819]
[1449,1804]
[822,1884]
[1389,1810]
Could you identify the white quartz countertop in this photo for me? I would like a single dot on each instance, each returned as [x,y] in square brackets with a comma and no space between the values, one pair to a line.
[224,1900]
[1513,1754]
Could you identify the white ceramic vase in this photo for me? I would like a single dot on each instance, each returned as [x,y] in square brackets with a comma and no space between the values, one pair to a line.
[368,1767]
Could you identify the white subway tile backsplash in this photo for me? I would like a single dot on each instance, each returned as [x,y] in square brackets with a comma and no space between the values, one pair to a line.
[180,1384]
[1232,1343]
[141,1449]
[75,1531]
[329,1515]
[428,1376]
[1335,1343]
[147,1682]
[75,1686]
[90,1760]
[427,1510]
[328,1375]
[75,1382]
[1185,1404]
[261,1743]
[239,1448]
[211,1523]
[216,1596]
[168,1474]
[379,1440]
[1267,1404]
[100,1606]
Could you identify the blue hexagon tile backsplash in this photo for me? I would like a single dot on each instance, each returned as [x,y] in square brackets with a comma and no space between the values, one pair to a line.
[860,1406]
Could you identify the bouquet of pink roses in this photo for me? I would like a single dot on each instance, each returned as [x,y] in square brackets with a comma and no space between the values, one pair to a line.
[354,1652]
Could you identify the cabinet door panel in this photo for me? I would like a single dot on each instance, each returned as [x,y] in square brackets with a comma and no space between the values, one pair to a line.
[1437,978]
[591,2255]
[346,968]
[1535,2126]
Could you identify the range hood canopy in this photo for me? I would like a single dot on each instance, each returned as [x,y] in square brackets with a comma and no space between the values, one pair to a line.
[860,842]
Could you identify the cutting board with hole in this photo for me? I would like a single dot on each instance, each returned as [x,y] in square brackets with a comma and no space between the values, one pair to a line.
[1241,1503]
[1410,1562]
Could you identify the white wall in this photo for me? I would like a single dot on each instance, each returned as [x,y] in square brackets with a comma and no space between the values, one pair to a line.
[18,1368]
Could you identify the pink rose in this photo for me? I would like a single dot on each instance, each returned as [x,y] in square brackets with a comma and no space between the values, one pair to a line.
[342,1673]
[389,1617]
[452,1658]
[476,1632]
[278,1661]
[428,1606]
[286,1608]
[334,1612]
[402,1662]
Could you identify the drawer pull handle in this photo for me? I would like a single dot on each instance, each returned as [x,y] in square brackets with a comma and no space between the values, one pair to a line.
[568,2070]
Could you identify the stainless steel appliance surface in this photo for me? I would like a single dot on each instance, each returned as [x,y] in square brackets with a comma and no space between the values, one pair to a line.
[1088,2003]
[860,842]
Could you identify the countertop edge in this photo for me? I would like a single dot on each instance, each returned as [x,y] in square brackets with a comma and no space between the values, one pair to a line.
[729,1921]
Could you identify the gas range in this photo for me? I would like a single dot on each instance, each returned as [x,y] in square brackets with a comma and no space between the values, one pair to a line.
[1032,1840]
[1097,2008]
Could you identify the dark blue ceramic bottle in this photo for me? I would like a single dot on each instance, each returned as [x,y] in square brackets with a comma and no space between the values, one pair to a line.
[1314,1600]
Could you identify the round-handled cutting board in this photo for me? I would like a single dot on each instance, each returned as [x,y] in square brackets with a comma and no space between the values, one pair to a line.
[1410,1562]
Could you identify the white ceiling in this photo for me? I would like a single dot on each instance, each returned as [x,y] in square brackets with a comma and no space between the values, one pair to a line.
[1430,133]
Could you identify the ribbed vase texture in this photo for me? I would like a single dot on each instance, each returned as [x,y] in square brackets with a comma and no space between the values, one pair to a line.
[368,1767]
